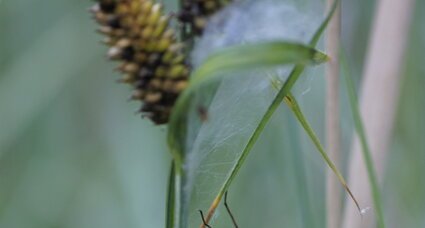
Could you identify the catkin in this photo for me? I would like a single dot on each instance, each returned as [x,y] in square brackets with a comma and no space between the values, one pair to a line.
[195,13]
[151,59]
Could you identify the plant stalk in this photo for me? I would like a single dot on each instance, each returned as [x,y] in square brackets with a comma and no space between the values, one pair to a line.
[378,101]
[333,132]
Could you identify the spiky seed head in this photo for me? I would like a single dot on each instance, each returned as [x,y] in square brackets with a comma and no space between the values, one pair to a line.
[152,61]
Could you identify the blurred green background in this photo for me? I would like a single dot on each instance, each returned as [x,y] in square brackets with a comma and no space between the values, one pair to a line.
[74,154]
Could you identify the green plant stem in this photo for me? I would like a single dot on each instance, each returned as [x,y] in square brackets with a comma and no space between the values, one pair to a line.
[332,120]
[171,198]
[358,123]
[293,105]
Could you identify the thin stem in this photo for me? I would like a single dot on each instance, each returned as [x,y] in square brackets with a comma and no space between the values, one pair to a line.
[373,180]
[333,132]
[293,105]
[170,215]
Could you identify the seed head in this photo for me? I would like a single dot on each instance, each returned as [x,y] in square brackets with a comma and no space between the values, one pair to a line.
[151,59]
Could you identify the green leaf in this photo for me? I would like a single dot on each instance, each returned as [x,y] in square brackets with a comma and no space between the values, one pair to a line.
[243,57]
[260,55]
[358,124]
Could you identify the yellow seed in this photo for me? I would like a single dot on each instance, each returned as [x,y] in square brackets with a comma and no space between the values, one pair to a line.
[155,14]
[172,57]
[127,78]
[200,22]
[95,8]
[114,53]
[118,33]
[100,17]
[155,83]
[153,97]
[179,86]
[167,85]
[134,31]
[123,43]
[146,7]
[129,68]
[141,19]
[109,41]
[162,45]
[177,71]
[150,46]
[132,68]
[147,32]
[122,9]
[105,30]
[140,57]
[178,59]
[168,56]
[169,33]
[114,33]
[176,47]
[210,5]
[127,21]
[161,71]
[161,26]
[135,7]
[138,95]
[141,45]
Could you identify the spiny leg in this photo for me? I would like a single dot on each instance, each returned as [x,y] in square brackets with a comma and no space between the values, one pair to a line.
[229,211]
[203,219]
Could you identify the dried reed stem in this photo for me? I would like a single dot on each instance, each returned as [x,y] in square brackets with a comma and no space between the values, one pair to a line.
[333,140]
[378,100]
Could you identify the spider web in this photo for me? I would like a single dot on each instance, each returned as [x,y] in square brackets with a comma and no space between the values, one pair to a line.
[236,104]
